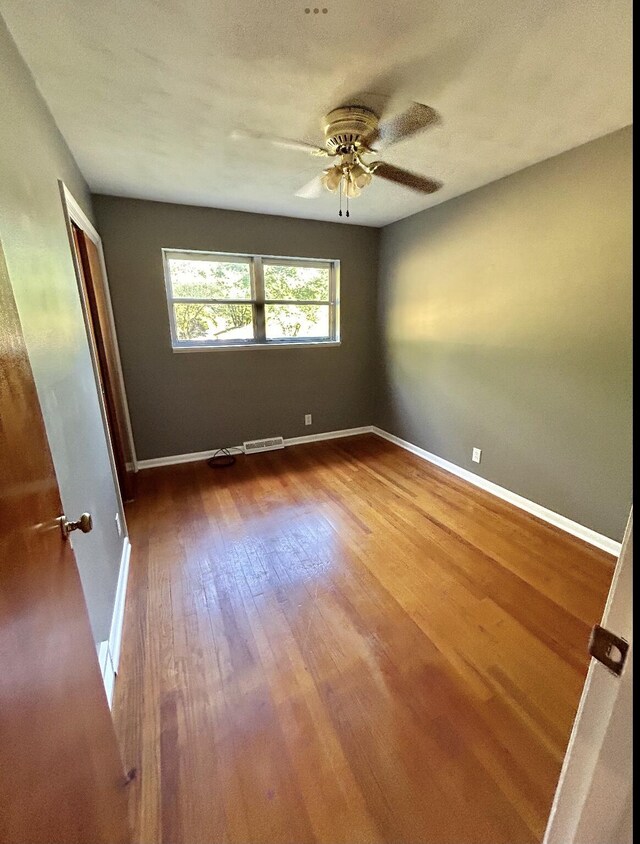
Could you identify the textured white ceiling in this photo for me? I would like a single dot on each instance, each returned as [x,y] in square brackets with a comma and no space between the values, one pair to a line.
[147,93]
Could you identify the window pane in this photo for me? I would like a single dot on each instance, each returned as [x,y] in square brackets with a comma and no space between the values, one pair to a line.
[283,321]
[209,279]
[310,283]
[215,323]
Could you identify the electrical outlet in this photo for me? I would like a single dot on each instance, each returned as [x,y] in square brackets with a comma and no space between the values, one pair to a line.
[476,454]
[118,524]
[307,419]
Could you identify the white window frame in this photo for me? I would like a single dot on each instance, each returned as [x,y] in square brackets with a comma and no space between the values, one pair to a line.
[257,301]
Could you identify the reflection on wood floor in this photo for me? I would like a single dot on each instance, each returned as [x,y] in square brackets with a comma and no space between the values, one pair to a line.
[339,642]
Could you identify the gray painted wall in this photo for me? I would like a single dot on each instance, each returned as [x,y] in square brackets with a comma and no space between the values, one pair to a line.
[196,401]
[33,156]
[505,323]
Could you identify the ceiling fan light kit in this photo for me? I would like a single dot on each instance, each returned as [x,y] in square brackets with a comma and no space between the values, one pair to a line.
[351,134]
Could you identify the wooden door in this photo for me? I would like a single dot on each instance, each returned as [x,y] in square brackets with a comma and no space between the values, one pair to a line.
[103,340]
[61,777]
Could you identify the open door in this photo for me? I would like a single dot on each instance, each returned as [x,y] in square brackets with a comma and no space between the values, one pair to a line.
[61,776]
[592,804]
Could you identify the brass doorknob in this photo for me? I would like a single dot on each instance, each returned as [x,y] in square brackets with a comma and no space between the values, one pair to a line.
[84,523]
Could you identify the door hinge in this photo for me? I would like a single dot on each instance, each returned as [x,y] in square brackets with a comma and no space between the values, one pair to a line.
[608,649]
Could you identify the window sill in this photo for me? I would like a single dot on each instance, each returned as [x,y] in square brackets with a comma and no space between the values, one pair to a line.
[254,346]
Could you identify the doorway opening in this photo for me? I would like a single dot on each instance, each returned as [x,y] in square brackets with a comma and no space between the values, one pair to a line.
[96,302]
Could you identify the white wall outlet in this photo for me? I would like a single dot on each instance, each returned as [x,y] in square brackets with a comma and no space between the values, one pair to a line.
[307,419]
[476,454]
[118,524]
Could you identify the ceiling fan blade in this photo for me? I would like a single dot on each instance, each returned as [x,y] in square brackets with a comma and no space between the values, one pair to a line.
[414,119]
[284,143]
[313,189]
[421,184]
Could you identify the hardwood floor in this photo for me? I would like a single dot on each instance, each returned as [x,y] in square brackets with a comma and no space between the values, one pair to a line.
[342,643]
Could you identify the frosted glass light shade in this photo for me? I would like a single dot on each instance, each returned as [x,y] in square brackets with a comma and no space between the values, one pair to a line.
[352,190]
[360,176]
[331,179]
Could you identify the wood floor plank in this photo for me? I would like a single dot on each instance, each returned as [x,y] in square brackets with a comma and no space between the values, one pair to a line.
[340,643]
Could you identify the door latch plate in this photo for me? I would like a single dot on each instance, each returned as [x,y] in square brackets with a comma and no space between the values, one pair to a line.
[608,649]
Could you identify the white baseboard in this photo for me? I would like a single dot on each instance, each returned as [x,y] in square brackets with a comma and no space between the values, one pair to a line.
[106,669]
[103,655]
[562,522]
[329,435]
[192,457]
[195,456]
[109,650]
[115,634]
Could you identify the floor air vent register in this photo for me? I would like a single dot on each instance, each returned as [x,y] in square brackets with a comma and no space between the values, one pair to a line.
[271,444]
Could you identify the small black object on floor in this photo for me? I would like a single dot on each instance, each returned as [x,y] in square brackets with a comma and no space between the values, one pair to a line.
[221,458]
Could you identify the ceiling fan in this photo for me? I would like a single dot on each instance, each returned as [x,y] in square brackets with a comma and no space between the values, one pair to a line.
[353,134]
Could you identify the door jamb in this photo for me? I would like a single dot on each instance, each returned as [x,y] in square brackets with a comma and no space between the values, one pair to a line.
[73,213]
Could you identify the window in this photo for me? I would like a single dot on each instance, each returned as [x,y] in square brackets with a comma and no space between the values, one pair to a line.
[230,301]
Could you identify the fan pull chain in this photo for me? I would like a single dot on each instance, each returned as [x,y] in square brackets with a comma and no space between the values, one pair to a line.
[347,205]
[340,211]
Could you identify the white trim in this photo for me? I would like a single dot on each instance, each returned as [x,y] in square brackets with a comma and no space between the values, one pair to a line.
[195,456]
[109,650]
[205,255]
[562,522]
[109,678]
[191,457]
[328,435]
[75,212]
[106,669]
[115,634]
[253,346]
[103,655]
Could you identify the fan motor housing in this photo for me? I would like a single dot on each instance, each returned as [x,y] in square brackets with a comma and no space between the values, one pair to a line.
[346,128]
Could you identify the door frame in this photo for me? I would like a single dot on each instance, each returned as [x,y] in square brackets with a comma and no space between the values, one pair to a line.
[73,213]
